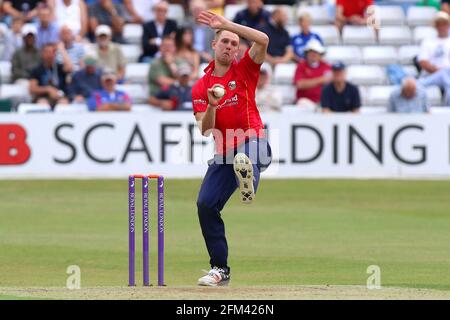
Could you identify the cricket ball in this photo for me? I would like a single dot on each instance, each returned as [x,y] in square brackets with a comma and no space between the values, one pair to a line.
[218,91]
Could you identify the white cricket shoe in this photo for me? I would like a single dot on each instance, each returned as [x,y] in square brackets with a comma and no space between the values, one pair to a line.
[215,277]
[244,171]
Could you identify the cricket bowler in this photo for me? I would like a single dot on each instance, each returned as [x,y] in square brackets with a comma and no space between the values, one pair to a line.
[224,106]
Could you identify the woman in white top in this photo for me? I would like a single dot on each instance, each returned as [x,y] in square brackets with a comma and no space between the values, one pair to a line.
[71,13]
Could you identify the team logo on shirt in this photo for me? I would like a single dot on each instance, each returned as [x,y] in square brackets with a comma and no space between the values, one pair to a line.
[232,85]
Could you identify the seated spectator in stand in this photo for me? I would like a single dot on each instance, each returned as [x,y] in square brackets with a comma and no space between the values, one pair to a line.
[300,40]
[24,9]
[351,12]
[74,50]
[26,58]
[267,97]
[47,30]
[254,16]
[434,53]
[109,98]
[7,48]
[408,98]
[85,81]
[73,14]
[110,55]
[440,78]
[340,95]
[105,12]
[156,29]
[139,11]
[163,70]
[279,49]
[16,31]
[311,74]
[48,82]
[203,35]
[178,96]
[184,41]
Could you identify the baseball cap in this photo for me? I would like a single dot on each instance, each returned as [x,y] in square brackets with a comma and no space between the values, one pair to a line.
[90,60]
[109,74]
[184,69]
[28,29]
[103,29]
[315,45]
[337,66]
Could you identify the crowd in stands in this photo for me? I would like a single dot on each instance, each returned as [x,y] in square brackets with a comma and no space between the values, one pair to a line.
[78,51]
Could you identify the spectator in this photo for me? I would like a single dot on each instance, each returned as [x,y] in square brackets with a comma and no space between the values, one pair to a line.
[203,35]
[26,58]
[408,98]
[16,33]
[74,50]
[445,6]
[109,98]
[440,78]
[48,82]
[163,69]
[156,29]
[434,53]
[254,16]
[300,40]
[105,12]
[340,95]
[267,97]
[311,74]
[351,12]
[73,14]
[178,95]
[47,29]
[215,6]
[184,41]
[110,55]
[280,49]
[24,9]
[7,48]
[85,81]
[139,11]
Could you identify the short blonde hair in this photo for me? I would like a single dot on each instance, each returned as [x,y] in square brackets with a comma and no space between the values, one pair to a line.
[304,15]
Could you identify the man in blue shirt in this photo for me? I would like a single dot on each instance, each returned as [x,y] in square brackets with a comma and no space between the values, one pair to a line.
[408,98]
[47,31]
[108,98]
[441,79]
[300,40]
[85,81]
[254,15]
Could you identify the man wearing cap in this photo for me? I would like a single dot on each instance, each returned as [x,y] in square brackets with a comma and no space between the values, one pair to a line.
[108,13]
[28,57]
[108,98]
[110,55]
[340,95]
[85,81]
[178,96]
[311,74]
[434,53]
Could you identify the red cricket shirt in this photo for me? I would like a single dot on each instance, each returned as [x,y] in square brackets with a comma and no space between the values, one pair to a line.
[305,71]
[237,116]
[354,7]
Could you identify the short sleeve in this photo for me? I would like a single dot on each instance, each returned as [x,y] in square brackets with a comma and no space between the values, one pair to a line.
[199,98]
[249,67]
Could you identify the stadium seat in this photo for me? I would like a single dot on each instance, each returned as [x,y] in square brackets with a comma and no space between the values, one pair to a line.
[137,72]
[440,110]
[131,52]
[357,35]
[423,32]
[366,75]
[329,34]
[395,35]
[284,73]
[5,72]
[406,54]
[363,95]
[420,16]
[379,55]
[71,108]
[138,93]
[346,54]
[133,33]
[372,110]
[145,108]
[434,96]
[231,10]
[288,93]
[176,12]
[379,95]
[319,14]
[411,71]
[293,30]
[390,15]
[9,91]
[33,108]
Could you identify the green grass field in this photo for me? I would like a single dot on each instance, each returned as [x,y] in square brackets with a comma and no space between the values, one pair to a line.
[297,233]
